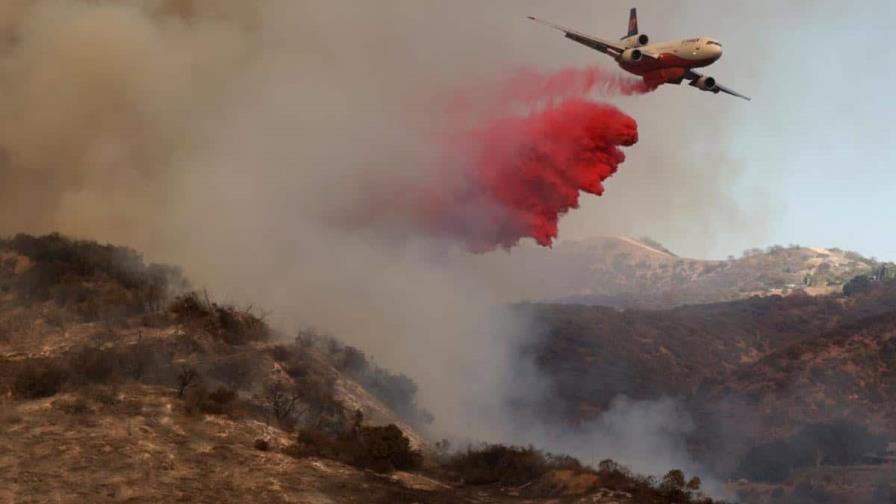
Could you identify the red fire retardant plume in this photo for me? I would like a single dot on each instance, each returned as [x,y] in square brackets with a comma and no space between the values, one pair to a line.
[509,158]
[524,172]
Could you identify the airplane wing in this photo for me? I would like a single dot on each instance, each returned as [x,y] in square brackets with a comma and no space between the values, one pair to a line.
[692,75]
[599,44]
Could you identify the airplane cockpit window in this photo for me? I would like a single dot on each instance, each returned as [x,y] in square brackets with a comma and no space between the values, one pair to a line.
[713,42]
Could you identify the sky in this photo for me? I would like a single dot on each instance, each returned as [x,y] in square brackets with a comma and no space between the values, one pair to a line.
[807,161]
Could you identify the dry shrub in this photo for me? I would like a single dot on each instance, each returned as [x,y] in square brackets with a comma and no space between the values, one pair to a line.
[75,273]
[199,399]
[385,449]
[72,406]
[507,465]
[185,378]
[226,323]
[38,379]
[310,398]
[142,361]
[381,448]
[239,372]
[146,360]
[281,353]
[103,395]
[397,391]
[93,365]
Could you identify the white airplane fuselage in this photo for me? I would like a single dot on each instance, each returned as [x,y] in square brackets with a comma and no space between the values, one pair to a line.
[673,59]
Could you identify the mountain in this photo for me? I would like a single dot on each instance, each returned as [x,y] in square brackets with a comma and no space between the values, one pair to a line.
[788,394]
[594,353]
[119,383]
[627,273]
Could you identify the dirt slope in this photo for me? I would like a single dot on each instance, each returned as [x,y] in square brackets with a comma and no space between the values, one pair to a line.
[118,384]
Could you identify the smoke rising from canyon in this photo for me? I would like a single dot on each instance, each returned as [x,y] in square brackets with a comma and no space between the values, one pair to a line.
[233,138]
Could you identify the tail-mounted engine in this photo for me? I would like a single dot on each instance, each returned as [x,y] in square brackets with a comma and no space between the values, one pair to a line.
[636,40]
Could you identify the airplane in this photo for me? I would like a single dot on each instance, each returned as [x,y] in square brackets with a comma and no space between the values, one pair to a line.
[663,63]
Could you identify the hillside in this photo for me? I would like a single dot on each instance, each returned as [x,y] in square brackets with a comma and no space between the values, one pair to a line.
[119,383]
[593,353]
[775,385]
[627,273]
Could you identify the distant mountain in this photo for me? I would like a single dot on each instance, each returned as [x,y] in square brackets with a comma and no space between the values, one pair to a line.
[627,273]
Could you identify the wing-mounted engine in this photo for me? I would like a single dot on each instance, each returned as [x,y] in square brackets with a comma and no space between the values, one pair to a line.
[632,56]
[706,83]
[636,40]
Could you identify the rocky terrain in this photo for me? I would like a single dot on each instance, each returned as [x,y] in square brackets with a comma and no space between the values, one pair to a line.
[120,384]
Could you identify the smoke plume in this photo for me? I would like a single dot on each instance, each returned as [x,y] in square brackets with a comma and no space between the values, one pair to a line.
[236,137]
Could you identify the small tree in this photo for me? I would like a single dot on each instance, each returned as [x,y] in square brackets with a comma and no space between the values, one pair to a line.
[282,399]
[856,285]
[674,479]
[185,378]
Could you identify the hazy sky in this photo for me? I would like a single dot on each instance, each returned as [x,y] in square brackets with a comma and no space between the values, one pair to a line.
[807,161]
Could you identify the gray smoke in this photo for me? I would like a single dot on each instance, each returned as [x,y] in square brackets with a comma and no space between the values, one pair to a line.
[229,136]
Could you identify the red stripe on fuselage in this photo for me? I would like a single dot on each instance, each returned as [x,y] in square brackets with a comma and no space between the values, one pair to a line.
[665,61]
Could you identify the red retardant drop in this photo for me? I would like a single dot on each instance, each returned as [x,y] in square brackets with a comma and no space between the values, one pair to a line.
[524,172]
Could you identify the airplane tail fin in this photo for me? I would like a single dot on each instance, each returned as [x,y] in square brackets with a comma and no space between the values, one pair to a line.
[633,22]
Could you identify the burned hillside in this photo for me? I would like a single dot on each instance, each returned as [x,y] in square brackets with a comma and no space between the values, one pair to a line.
[774,386]
[106,361]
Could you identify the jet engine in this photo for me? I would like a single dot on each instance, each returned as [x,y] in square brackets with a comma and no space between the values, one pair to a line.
[706,83]
[636,40]
[633,56]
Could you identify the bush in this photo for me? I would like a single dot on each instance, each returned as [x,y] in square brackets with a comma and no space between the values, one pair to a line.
[857,285]
[217,402]
[281,399]
[384,449]
[240,371]
[225,323]
[507,465]
[74,406]
[38,380]
[93,365]
[314,388]
[145,360]
[62,266]
[381,449]
[397,391]
[185,378]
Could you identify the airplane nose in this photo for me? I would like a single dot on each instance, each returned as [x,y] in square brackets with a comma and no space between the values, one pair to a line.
[716,52]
